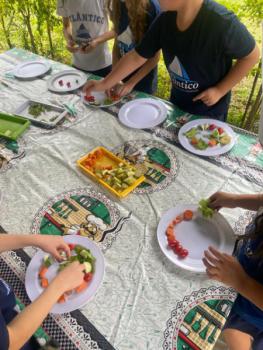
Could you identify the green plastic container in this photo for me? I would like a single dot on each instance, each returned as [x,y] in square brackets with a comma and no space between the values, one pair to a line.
[12,126]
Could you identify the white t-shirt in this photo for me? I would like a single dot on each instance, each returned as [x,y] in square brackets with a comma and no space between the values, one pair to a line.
[89,20]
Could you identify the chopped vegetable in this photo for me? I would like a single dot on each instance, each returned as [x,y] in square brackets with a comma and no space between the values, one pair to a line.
[44,282]
[79,253]
[188,215]
[207,135]
[191,133]
[82,287]
[68,84]
[36,109]
[62,299]
[43,271]
[206,211]
[8,133]
[172,242]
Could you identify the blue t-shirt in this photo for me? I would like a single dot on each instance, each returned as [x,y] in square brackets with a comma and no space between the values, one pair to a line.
[125,42]
[7,313]
[254,268]
[200,56]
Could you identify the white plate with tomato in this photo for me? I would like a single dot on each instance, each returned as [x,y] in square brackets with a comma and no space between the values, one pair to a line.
[207,137]
[100,99]
[184,234]
[42,269]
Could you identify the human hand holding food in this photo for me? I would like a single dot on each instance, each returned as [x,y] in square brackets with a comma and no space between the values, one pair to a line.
[219,200]
[70,277]
[53,245]
[93,85]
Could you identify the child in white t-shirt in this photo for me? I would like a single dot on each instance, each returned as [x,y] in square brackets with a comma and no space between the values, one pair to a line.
[86,30]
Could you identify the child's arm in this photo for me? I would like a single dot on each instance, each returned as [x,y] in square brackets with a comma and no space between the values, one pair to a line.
[23,326]
[97,41]
[126,65]
[149,65]
[48,243]
[241,68]
[226,269]
[232,200]
[67,31]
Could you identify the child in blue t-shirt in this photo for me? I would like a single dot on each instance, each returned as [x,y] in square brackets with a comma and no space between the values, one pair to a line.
[131,20]
[16,330]
[199,40]
[244,272]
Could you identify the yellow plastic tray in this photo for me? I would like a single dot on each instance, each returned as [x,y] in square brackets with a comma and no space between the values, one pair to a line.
[108,159]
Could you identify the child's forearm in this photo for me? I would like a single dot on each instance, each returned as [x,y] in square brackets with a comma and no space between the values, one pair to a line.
[251,290]
[23,326]
[249,201]
[149,65]
[13,242]
[67,30]
[126,65]
[238,71]
[105,37]
[115,54]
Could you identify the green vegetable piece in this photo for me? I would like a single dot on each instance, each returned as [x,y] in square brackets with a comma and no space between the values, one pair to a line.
[88,267]
[8,133]
[48,261]
[204,208]
[201,144]
[191,133]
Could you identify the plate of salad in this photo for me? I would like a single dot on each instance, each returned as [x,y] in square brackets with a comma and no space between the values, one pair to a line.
[186,231]
[100,99]
[43,268]
[207,137]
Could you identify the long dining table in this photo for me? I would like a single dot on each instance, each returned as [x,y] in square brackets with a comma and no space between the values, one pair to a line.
[145,301]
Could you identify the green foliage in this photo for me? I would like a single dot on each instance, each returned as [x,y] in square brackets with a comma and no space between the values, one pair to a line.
[34,25]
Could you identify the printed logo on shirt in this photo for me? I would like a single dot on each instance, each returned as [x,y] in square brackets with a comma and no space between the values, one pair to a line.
[85,17]
[125,41]
[82,34]
[4,287]
[180,77]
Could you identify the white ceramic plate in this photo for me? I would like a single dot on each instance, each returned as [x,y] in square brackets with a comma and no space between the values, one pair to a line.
[195,236]
[75,301]
[31,69]
[210,151]
[143,113]
[66,81]
[100,98]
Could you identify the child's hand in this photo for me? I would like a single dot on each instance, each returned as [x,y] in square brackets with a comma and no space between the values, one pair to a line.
[93,85]
[224,268]
[209,97]
[52,245]
[222,199]
[70,277]
[89,47]
[124,89]
[72,46]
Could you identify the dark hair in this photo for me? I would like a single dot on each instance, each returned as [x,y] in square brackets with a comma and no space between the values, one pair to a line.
[254,233]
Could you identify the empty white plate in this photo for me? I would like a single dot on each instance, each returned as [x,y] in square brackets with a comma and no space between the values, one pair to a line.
[75,301]
[66,81]
[31,69]
[143,113]
[196,236]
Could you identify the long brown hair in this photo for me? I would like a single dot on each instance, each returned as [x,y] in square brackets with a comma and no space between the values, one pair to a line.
[137,12]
